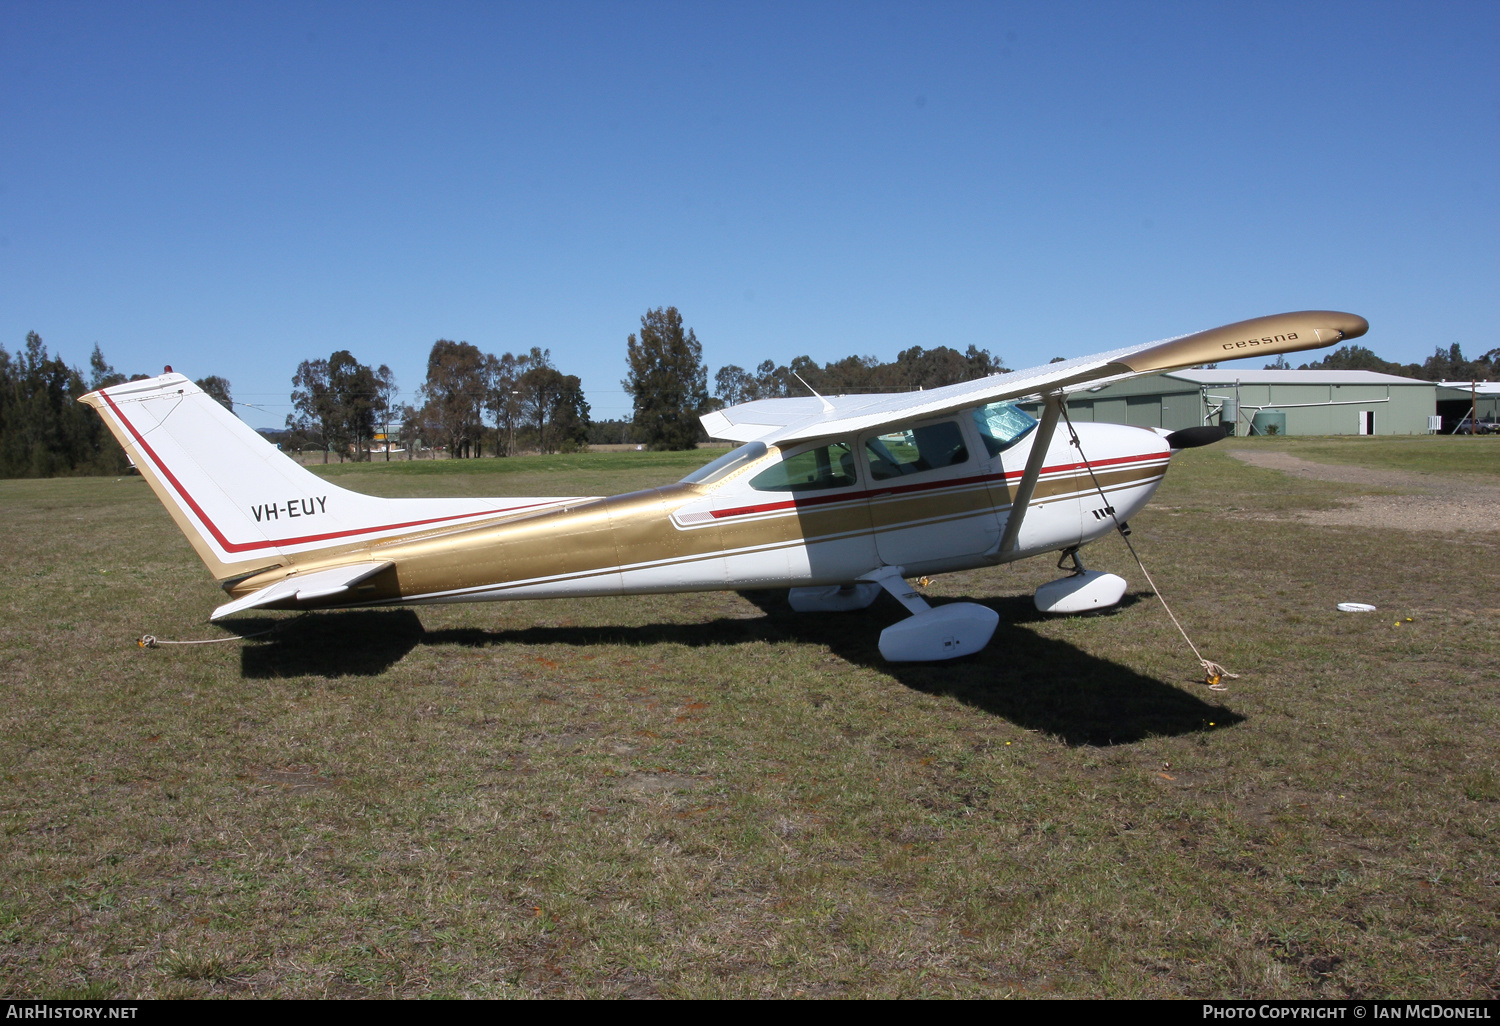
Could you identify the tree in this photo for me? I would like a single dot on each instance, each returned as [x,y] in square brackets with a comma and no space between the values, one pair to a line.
[315,410]
[411,429]
[773,382]
[537,390]
[337,400]
[44,431]
[913,368]
[667,380]
[851,374]
[734,385]
[1443,365]
[503,396]
[570,416]
[352,385]
[384,404]
[101,374]
[215,386]
[933,368]
[455,393]
[1353,357]
[1450,365]
[553,404]
[612,432]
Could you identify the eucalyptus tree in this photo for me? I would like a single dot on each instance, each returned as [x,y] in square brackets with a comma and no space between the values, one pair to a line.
[454,394]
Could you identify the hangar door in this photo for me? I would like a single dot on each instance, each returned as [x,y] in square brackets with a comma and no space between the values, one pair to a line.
[1143,411]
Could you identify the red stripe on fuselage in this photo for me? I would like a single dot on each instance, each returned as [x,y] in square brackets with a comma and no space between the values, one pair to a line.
[229,546]
[958,482]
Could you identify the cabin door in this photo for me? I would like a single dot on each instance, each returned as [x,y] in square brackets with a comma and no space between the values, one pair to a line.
[929,502]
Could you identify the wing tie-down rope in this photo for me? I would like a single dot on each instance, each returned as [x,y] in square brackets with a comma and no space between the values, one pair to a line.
[1213,673]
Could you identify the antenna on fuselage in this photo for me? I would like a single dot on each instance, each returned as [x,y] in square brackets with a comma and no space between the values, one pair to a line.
[827,406]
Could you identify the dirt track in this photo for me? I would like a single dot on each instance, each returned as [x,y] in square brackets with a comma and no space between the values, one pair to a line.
[1433,503]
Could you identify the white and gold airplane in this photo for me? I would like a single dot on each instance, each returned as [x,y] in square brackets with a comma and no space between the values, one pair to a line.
[834,498]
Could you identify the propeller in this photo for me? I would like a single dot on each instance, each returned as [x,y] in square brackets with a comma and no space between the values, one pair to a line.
[1191,438]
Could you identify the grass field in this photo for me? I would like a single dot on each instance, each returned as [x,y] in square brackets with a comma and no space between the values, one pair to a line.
[1469,458]
[706,795]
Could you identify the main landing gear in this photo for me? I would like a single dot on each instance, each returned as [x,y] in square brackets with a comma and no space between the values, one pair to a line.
[928,635]
[957,628]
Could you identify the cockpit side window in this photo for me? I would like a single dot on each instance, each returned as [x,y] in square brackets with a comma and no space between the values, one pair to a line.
[915,450]
[827,466]
[1001,426]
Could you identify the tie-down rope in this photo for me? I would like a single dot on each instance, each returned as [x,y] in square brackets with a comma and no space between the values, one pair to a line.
[1213,673]
[152,641]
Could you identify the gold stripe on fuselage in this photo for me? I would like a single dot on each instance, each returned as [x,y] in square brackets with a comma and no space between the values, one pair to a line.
[595,543]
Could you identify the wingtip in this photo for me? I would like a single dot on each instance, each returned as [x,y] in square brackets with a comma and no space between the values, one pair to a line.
[1354,327]
[1259,336]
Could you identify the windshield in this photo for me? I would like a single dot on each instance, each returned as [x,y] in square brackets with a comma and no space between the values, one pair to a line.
[725,464]
[1001,426]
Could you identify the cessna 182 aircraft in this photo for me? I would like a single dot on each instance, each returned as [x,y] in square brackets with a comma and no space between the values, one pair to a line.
[834,498]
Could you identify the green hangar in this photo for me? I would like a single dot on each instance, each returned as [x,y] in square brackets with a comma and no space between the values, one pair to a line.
[1457,399]
[1289,402]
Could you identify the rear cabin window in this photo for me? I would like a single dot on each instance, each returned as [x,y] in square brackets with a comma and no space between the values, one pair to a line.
[1001,426]
[829,466]
[915,450]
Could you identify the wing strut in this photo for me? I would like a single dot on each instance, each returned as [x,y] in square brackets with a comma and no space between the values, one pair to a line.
[1041,442]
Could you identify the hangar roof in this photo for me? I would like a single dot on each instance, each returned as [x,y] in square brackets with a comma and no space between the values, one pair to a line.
[1248,376]
[1483,387]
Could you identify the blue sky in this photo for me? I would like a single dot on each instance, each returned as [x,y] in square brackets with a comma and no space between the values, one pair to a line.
[232,189]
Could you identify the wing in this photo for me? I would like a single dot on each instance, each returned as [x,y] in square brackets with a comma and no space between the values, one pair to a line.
[781,421]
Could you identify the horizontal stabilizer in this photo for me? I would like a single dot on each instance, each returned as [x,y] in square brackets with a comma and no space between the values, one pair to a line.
[318,584]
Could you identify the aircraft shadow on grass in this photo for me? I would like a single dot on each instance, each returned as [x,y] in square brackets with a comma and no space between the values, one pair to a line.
[1032,681]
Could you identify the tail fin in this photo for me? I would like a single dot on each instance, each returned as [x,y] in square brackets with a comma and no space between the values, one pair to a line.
[242,503]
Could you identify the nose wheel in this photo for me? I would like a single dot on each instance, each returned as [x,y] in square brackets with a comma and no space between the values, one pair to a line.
[1082,591]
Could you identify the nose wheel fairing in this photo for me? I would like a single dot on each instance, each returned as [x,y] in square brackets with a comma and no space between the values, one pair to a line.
[1086,592]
